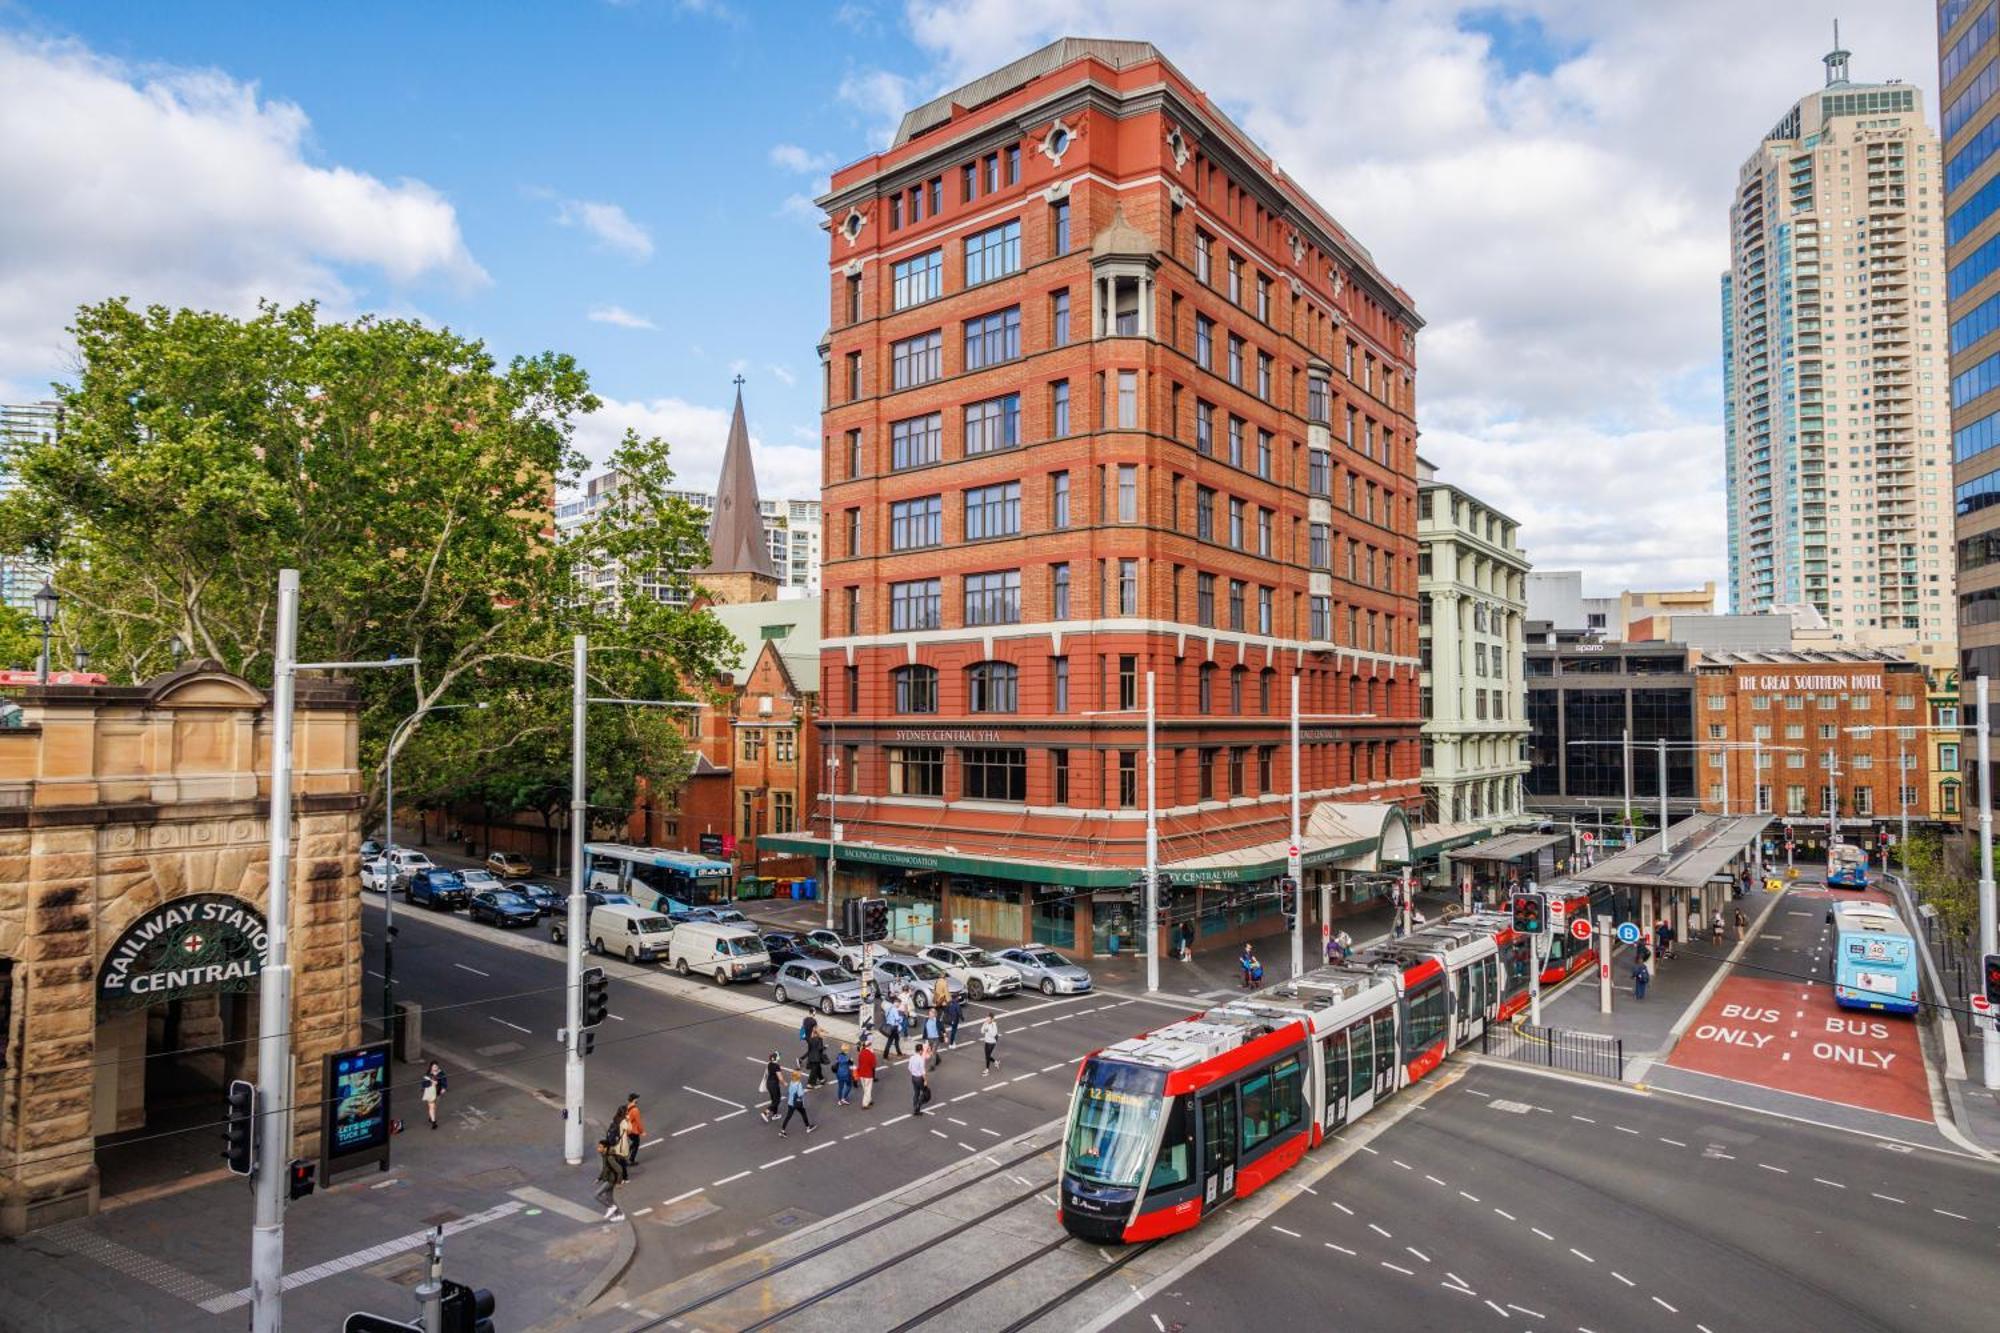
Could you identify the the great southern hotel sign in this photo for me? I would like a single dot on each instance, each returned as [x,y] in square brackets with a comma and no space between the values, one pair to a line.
[203,944]
[1814,684]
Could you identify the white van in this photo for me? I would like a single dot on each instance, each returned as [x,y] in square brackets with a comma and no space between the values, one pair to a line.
[716,949]
[633,933]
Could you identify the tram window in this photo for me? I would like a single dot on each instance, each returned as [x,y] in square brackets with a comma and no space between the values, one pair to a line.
[1363,1077]
[1427,1015]
[1257,1126]
[1175,1163]
[1333,1054]
[1385,1041]
[1287,1093]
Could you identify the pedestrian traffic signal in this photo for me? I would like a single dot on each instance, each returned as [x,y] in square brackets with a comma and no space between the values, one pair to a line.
[305,1174]
[1288,895]
[1993,979]
[874,919]
[1528,913]
[467,1309]
[850,918]
[596,996]
[240,1129]
[586,1042]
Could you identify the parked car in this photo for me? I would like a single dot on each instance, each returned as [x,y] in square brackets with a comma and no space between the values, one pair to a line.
[630,931]
[437,888]
[378,874]
[1046,970]
[726,952]
[827,987]
[979,971]
[503,907]
[509,865]
[547,899]
[919,974]
[370,849]
[727,916]
[408,862]
[844,951]
[783,948]
[592,900]
[479,878]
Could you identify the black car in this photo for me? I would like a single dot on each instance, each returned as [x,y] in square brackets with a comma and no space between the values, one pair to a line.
[784,949]
[503,907]
[547,899]
[437,888]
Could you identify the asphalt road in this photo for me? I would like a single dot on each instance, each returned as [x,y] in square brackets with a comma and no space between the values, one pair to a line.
[715,1177]
[1530,1202]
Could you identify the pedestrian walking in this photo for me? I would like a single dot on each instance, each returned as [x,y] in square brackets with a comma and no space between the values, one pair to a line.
[920,1084]
[1715,924]
[815,1061]
[931,1033]
[795,1103]
[953,1013]
[940,992]
[892,1028]
[1245,962]
[1187,942]
[774,1085]
[608,1180]
[434,1085]
[843,1073]
[989,1037]
[635,1125]
[864,1072]
[1742,923]
[807,1027]
[1641,974]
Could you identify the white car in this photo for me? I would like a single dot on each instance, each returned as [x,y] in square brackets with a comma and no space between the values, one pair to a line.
[479,879]
[408,863]
[377,875]
[977,970]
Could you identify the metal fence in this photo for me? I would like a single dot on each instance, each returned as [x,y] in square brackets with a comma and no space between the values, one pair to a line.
[1556,1048]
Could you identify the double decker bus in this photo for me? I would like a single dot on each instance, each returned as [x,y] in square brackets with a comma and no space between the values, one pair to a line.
[658,879]
[1846,866]
[1873,964]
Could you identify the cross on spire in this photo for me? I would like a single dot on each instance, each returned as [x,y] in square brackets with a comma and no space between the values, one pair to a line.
[739,384]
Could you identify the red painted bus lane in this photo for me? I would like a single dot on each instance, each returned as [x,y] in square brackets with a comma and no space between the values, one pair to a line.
[1790,1036]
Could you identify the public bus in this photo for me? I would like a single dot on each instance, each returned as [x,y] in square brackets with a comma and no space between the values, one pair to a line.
[1166,1127]
[1874,962]
[657,879]
[1846,866]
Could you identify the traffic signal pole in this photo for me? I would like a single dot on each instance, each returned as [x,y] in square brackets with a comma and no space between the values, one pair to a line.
[1294,862]
[1990,1043]
[1153,843]
[274,988]
[579,824]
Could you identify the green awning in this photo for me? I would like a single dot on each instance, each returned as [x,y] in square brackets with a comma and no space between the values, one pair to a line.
[993,867]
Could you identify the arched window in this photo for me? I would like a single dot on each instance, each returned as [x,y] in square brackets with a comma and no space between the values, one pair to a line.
[916,689]
[992,687]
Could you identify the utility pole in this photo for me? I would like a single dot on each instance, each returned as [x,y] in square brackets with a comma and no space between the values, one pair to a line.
[1153,839]
[1294,858]
[579,823]
[1538,950]
[833,837]
[1991,1043]
[1666,835]
[1625,744]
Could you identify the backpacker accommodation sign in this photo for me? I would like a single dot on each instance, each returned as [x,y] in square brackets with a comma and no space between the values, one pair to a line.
[203,944]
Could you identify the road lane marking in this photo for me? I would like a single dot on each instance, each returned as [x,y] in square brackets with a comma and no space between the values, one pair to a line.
[779,1162]
[475,971]
[1622,1278]
[1820,1180]
[1584,1118]
[711,1096]
[1497,1309]
[1456,1278]
[1284,1232]
[1434,1180]
[940,1133]
[1378,1230]
[1783,1171]
[1398,1268]
[684,1194]
[1419,1253]
[1463,1195]
[1504,1213]
[1941,1212]
[505,1024]
[1622,1129]
[963,1095]
[650,1142]
[1675,1142]
[1463,1291]
[730,1115]
[1664,1306]
[1342,1248]
[1532,1314]
[643,1211]
[1888,1198]
[1543,1234]
[1057,1065]
[738,1176]
[699,1124]
[1581,1255]
[1343,1207]
[994,1132]
[1405,1165]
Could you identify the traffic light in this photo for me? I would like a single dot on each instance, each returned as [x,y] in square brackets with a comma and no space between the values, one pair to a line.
[850,919]
[240,1129]
[467,1309]
[1993,978]
[596,996]
[586,1042]
[305,1174]
[1288,892]
[1528,910]
[874,919]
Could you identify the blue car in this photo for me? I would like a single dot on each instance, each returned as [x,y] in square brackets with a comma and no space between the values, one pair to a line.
[438,888]
[503,907]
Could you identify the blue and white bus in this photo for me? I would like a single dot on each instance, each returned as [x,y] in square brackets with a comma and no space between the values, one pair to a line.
[1874,962]
[657,879]
[1846,866]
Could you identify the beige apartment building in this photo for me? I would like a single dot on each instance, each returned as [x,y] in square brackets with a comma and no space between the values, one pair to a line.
[1835,366]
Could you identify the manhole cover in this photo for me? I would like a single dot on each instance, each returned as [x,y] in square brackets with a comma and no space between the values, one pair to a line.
[401,1271]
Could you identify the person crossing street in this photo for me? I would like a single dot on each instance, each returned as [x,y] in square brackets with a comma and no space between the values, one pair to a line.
[864,1072]
[774,1085]
[989,1037]
[795,1103]
[920,1085]
[635,1127]
[953,1012]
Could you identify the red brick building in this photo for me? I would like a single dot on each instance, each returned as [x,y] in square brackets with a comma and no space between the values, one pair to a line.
[1790,719]
[1107,395]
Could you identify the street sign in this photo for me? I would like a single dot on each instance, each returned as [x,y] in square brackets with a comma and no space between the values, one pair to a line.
[1580,927]
[1628,932]
[1603,968]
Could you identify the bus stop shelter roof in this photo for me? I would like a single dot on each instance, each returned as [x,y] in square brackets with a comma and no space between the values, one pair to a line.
[1508,846]
[1700,847]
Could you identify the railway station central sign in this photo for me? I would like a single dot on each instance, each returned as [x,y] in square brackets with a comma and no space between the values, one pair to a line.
[203,944]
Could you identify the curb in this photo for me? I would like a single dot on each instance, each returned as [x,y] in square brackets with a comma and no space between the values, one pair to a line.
[613,1269]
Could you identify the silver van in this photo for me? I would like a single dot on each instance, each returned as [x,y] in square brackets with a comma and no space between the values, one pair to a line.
[712,949]
[633,933]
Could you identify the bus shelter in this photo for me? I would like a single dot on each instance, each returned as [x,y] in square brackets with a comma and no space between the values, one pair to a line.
[1500,865]
[1703,860]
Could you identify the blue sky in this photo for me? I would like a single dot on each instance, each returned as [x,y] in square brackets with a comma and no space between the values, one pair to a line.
[1550,179]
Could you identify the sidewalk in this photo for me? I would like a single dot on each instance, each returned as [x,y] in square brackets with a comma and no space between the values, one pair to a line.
[518,1221]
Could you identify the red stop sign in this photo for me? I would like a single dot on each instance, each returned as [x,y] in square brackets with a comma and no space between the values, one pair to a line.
[1580,927]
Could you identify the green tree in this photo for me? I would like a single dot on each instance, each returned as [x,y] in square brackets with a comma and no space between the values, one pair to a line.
[406,473]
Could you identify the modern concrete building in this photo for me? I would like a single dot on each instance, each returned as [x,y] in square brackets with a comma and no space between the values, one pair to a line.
[1555,597]
[1969,92]
[1472,580]
[21,424]
[1593,709]
[1109,398]
[1834,364]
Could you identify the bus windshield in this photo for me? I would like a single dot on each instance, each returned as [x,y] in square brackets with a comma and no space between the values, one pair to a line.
[1111,1133]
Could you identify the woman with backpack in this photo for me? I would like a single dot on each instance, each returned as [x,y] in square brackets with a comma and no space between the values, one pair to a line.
[795,1103]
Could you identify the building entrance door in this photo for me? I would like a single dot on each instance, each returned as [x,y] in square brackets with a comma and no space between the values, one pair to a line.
[163,1073]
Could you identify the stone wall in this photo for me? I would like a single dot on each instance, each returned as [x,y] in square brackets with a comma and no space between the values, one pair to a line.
[113,802]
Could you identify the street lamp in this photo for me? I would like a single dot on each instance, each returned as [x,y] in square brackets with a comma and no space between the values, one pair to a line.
[388,844]
[47,602]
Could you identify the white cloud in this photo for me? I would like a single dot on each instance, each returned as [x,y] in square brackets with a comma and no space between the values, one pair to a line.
[782,375]
[1560,223]
[791,157]
[184,187]
[881,98]
[697,435]
[801,207]
[610,224]
[620,316]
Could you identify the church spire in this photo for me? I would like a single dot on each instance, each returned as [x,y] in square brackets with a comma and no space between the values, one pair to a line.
[739,567]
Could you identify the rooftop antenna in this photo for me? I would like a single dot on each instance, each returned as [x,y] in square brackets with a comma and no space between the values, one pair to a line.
[1836,59]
